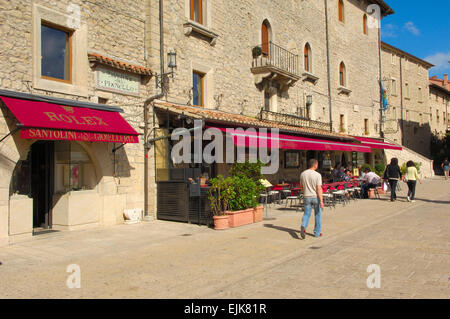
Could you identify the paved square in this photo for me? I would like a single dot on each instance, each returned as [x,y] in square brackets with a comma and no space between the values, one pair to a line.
[409,241]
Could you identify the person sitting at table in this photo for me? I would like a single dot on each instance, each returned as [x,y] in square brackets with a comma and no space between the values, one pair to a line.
[370,180]
[347,177]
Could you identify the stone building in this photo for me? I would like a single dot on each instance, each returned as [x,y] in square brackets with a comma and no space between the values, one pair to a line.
[310,68]
[311,62]
[79,62]
[439,101]
[408,117]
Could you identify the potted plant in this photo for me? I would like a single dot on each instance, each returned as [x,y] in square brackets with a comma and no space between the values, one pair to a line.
[219,195]
[242,202]
[256,51]
[252,171]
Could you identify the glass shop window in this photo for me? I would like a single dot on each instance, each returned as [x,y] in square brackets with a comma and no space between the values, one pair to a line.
[74,170]
[21,181]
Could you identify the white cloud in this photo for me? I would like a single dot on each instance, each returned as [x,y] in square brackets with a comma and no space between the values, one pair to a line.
[411,28]
[389,31]
[440,60]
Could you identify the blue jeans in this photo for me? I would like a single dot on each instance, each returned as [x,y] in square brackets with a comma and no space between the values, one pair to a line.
[309,204]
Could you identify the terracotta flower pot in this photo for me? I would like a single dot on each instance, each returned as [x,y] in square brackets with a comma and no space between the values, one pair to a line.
[240,217]
[258,214]
[221,222]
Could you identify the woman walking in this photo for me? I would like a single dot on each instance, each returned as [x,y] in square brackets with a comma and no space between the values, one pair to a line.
[393,175]
[446,166]
[412,177]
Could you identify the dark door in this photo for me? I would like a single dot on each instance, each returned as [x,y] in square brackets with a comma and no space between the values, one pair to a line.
[42,177]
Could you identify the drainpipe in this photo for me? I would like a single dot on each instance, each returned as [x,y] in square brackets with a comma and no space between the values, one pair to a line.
[328,66]
[401,101]
[380,76]
[147,103]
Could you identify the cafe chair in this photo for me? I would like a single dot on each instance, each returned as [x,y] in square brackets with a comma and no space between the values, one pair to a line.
[340,194]
[328,198]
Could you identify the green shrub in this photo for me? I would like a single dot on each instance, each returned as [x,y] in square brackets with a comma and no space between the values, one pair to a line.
[416,164]
[379,169]
[245,193]
[367,166]
[220,194]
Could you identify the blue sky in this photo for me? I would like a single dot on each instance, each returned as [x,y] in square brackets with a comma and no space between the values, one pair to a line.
[421,28]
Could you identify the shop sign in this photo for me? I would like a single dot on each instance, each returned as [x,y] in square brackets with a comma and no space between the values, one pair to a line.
[116,81]
[63,135]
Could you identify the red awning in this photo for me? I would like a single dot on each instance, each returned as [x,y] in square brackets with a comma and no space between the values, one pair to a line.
[46,121]
[373,143]
[254,139]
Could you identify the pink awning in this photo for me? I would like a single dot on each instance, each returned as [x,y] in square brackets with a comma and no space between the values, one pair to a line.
[46,121]
[373,143]
[250,138]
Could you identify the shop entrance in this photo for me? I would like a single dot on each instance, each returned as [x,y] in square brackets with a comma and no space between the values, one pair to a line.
[42,182]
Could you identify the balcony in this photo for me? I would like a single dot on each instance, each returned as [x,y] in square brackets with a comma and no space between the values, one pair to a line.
[294,120]
[277,64]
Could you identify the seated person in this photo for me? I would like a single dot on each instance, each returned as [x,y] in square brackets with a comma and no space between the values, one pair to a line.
[370,180]
[347,176]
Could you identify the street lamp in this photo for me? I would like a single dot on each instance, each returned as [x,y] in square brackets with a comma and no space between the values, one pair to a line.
[171,64]
[172,58]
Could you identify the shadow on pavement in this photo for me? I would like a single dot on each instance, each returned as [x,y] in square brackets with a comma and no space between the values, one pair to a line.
[292,232]
[445,202]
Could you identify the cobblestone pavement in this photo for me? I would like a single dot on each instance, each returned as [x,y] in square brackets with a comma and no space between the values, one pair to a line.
[409,241]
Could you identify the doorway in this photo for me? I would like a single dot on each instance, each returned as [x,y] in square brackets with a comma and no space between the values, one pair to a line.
[42,183]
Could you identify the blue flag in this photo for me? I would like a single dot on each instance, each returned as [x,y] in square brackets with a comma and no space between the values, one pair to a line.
[384,101]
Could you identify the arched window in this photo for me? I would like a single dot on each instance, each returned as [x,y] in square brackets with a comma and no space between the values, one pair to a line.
[365,24]
[342,74]
[265,37]
[308,58]
[341,10]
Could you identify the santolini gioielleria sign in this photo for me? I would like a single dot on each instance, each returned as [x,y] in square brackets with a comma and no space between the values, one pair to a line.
[117,81]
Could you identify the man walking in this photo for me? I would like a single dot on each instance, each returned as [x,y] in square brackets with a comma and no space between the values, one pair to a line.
[311,181]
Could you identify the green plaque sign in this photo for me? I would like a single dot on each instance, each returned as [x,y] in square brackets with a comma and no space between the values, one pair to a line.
[116,81]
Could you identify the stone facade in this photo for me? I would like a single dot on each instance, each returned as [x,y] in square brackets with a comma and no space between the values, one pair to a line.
[220,48]
[439,101]
[230,84]
[407,119]
[115,29]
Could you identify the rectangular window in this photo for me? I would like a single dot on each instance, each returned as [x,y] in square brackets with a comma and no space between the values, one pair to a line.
[341,123]
[266,101]
[366,126]
[198,88]
[407,90]
[197,11]
[393,58]
[56,53]
[407,115]
[394,87]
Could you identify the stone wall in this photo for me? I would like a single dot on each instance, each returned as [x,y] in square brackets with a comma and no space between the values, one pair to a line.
[416,115]
[405,155]
[230,83]
[115,29]
[438,102]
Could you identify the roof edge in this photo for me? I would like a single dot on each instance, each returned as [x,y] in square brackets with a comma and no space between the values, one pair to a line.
[385,45]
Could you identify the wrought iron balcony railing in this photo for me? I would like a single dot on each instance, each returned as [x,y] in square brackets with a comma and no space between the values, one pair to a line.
[293,120]
[272,55]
